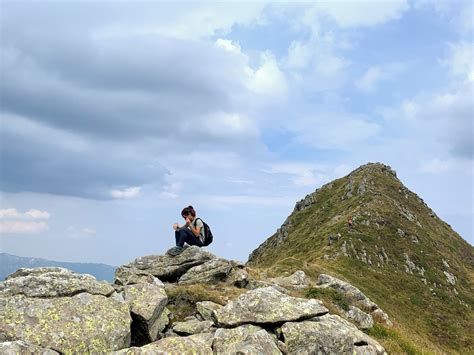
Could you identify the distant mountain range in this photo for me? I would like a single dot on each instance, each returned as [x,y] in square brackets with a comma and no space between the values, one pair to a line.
[10,263]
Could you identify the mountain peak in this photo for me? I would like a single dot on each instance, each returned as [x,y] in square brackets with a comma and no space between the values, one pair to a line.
[371,230]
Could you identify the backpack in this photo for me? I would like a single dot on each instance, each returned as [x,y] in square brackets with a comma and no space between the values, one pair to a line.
[207,233]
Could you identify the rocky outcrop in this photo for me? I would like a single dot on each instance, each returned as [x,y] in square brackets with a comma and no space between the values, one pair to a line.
[75,316]
[360,302]
[75,313]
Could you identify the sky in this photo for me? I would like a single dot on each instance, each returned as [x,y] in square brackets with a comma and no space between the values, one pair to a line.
[117,115]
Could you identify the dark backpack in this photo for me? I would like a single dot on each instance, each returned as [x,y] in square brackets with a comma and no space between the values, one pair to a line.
[207,233]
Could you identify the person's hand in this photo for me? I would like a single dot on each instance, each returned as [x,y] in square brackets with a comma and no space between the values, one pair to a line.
[175,226]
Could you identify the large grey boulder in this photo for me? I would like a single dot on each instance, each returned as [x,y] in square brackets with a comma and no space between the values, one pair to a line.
[81,323]
[238,277]
[329,334]
[246,339]
[22,347]
[211,272]
[165,267]
[297,280]
[52,282]
[267,306]
[158,327]
[146,302]
[172,345]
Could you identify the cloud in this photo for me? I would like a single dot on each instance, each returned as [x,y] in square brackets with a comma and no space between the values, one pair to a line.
[268,79]
[461,60]
[440,166]
[362,13]
[73,232]
[22,227]
[129,192]
[374,75]
[12,213]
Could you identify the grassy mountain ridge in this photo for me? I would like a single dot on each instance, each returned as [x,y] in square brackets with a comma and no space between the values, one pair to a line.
[10,263]
[398,252]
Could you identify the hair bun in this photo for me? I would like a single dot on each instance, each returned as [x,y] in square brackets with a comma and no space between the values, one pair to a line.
[191,207]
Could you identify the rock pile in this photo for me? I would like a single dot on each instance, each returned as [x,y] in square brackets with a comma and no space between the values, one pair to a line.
[50,310]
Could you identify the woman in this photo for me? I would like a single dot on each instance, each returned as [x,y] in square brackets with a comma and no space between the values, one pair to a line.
[191,232]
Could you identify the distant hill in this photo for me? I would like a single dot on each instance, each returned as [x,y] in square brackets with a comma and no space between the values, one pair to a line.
[10,263]
[397,251]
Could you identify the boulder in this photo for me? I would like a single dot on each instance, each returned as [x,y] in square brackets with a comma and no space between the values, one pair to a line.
[329,334]
[81,323]
[165,267]
[267,306]
[211,272]
[193,326]
[22,347]
[297,280]
[206,309]
[171,345]
[361,319]
[246,339]
[52,282]
[158,327]
[130,276]
[352,292]
[238,277]
[146,302]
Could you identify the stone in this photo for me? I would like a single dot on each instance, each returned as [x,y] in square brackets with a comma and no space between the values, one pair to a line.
[238,277]
[229,340]
[158,327]
[450,278]
[329,334]
[130,276]
[81,323]
[146,302]
[361,319]
[192,327]
[267,306]
[165,267]
[206,309]
[22,347]
[211,272]
[52,282]
[297,280]
[171,345]
[381,317]
[347,289]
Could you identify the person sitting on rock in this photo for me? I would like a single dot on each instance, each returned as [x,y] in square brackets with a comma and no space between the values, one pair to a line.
[191,232]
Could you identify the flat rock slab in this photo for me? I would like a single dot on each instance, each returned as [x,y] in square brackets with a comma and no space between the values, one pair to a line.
[165,267]
[22,347]
[246,339]
[82,323]
[267,306]
[210,272]
[329,334]
[206,309]
[52,282]
[193,326]
[172,345]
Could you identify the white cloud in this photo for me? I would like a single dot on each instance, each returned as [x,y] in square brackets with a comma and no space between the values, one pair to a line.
[127,193]
[299,55]
[22,227]
[227,125]
[371,79]
[223,201]
[438,166]
[12,213]
[89,231]
[74,232]
[461,60]
[228,45]
[268,79]
[362,13]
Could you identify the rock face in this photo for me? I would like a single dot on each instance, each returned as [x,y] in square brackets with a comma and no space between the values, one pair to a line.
[53,310]
[259,307]
[67,318]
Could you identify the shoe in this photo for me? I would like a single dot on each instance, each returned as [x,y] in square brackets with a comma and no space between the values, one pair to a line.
[175,251]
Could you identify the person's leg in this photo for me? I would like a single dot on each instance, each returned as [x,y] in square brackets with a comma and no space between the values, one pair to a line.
[186,236]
